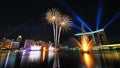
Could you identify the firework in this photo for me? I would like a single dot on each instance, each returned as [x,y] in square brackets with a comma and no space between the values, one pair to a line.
[64,22]
[59,22]
[53,16]
[63,25]
[86,43]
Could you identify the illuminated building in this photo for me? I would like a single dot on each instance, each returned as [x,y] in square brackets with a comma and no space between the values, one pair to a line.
[98,36]
[1,44]
[15,45]
[28,43]
[9,44]
[34,45]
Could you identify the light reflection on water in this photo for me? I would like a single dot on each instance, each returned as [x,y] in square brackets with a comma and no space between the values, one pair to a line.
[34,56]
[7,59]
[50,56]
[88,60]
[56,62]
[43,54]
[64,59]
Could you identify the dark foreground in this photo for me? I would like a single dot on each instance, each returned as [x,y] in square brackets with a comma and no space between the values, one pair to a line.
[63,59]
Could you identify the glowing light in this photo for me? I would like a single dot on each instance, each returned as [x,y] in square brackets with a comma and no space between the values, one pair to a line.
[35,47]
[77,18]
[34,56]
[64,22]
[76,27]
[59,23]
[100,30]
[50,55]
[63,25]
[24,58]
[51,48]
[53,16]
[43,53]
[98,18]
[99,13]
[82,22]
[85,43]
[88,60]
[109,22]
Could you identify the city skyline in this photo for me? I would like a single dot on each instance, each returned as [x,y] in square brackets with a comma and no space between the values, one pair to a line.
[27,18]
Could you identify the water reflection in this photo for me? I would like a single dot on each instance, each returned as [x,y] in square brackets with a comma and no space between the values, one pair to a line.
[88,60]
[56,62]
[67,59]
[2,59]
[50,56]
[7,59]
[111,59]
[34,56]
[43,54]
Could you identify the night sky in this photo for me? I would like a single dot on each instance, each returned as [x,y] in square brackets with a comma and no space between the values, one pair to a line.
[27,17]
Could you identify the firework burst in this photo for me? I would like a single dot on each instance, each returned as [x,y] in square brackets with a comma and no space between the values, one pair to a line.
[53,16]
[64,23]
[59,22]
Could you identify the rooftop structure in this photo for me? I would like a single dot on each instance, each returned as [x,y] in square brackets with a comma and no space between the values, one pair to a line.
[98,36]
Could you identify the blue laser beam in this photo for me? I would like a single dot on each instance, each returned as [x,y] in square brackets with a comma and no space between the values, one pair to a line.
[77,18]
[99,14]
[83,22]
[109,22]
[18,27]
[76,26]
